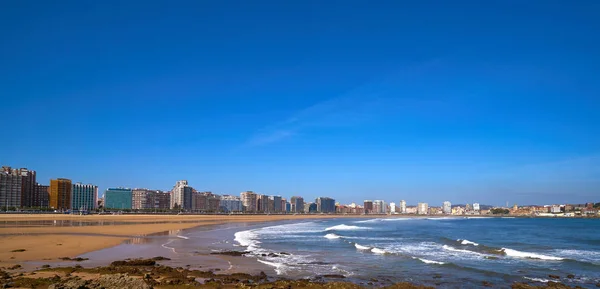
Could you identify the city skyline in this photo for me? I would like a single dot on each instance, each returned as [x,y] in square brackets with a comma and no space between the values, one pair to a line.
[492,102]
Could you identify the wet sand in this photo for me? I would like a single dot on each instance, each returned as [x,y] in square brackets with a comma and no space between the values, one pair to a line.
[52,236]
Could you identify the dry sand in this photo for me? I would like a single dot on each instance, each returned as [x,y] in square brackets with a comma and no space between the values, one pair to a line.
[23,232]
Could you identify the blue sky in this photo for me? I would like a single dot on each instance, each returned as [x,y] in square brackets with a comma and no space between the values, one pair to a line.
[466,101]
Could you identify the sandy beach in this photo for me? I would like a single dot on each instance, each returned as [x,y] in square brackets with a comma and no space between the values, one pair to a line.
[49,237]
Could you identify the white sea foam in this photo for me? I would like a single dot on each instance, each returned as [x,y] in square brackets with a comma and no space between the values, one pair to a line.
[537,279]
[279,268]
[332,236]
[467,242]
[182,237]
[344,227]
[509,218]
[446,247]
[361,247]
[429,261]
[580,255]
[247,239]
[443,218]
[529,255]
[378,251]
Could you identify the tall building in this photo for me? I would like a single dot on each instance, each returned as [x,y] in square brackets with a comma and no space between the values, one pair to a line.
[161,200]
[28,183]
[297,205]
[83,197]
[60,194]
[393,208]
[277,204]
[283,205]
[325,205]
[288,207]
[249,201]
[118,198]
[231,204]
[422,209]
[403,207]
[262,203]
[10,188]
[476,207]
[41,197]
[447,208]
[181,196]
[142,199]
[379,207]
[368,206]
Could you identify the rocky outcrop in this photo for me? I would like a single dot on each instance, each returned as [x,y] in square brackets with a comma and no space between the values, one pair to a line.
[105,281]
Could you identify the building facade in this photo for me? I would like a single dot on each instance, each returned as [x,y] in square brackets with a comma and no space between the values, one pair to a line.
[447,208]
[84,197]
[181,196]
[379,207]
[231,204]
[10,188]
[41,196]
[161,200]
[277,204]
[248,199]
[403,207]
[422,208]
[368,206]
[262,203]
[60,194]
[393,208]
[118,198]
[325,205]
[297,205]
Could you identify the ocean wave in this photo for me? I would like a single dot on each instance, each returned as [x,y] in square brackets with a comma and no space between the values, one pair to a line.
[446,247]
[378,251]
[361,247]
[247,239]
[429,261]
[279,268]
[344,227]
[443,218]
[182,237]
[529,255]
[332,236]
[467,242]
[592,257]
[537,279]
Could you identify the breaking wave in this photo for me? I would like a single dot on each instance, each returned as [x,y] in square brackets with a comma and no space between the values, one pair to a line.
[344,227]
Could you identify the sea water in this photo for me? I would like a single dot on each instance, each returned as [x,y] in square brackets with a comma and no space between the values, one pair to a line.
[450,252]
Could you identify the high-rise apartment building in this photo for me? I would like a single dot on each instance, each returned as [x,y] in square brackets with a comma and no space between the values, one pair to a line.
[83,197]
[28,183]
[476,207]
[283,205]
[118,198]
[181,196]
[249,201]
[393,208]
[41,196]
[142,199]
[422,208]
[368,206]
[277,208]
[325,205]
[10,188]
[403,207]
[161,200]
[379,207]
[262,203]
[60,194]
[447,208]
[297,205]
[231,204]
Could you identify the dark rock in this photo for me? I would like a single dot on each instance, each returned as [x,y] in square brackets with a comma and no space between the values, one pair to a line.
[374,280]
[137,262]
[337,276]
[78,259]
[554,276]
[160,258]
[231,253]
[437,276]
[15,267]
[571,276]
[486,284]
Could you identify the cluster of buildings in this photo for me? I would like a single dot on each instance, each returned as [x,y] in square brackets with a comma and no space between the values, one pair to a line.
[19,189]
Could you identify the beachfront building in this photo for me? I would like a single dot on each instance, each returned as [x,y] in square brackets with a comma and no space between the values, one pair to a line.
[118,198]
[262,203]
[476,208]
[297,205]
[231,204]
[60,194]
[379,207]
[422,208]
[10,188]
[181,196]
[83,197]
[248,199]
[276,204]
[284,205]
[41,197]
[325,205]
[447,208]
[368,205]
[161,200]
[288,207]
[403,207]
[393,208]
